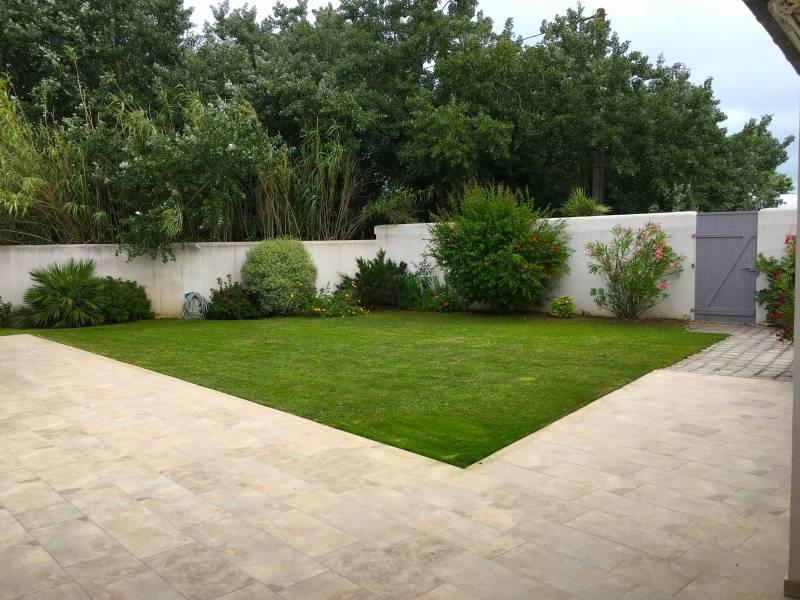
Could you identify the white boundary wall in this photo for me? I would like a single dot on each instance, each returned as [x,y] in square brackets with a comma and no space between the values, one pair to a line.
[198,265]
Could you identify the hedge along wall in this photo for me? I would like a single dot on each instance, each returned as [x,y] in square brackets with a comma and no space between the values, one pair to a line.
[198,265]
[407,242]
[195,268]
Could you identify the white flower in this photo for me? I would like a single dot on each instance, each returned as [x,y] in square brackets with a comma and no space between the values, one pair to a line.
[138,212]
[231,147]
[124,164]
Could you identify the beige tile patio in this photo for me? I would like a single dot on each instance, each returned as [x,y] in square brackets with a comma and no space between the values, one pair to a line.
[145,487]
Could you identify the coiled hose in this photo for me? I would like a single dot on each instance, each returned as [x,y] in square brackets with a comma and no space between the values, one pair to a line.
[194,306]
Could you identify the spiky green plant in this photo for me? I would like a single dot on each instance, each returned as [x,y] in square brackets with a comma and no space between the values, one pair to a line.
[580,204]
[68,294]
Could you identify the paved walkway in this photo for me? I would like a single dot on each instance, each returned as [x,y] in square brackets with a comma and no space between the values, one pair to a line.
[119,483]
[750,351]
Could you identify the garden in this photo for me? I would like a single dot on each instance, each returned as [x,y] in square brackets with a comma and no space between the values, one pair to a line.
[394,353]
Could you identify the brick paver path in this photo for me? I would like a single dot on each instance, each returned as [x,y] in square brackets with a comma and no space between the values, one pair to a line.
[120,483]
[750,351]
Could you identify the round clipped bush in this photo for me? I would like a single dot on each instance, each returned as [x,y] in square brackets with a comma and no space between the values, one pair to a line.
[281,275]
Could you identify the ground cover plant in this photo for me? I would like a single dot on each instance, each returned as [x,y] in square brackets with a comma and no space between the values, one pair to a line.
[454,387]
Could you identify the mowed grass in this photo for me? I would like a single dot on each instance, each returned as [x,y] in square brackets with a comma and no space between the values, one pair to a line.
[454,387]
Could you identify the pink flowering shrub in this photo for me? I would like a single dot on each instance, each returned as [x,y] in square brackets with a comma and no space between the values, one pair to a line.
[634,267]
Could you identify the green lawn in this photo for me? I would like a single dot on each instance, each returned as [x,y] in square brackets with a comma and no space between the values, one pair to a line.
[455,387]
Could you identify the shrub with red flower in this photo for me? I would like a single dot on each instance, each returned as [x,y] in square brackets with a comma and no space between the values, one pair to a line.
[634,267]
[778,296]
[495,249]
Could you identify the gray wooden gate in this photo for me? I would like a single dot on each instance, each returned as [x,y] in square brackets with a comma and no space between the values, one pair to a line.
[725,274]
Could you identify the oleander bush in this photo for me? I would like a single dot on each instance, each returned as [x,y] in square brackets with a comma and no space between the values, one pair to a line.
[281,275]
[634,268]
[494,248]
[232,301]
[562,307]
[125,301]
[67,294]
[778,296]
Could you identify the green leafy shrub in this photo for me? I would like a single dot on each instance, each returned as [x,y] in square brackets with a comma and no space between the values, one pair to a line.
[377,282]
[495,249]
[125,301]
[232,301]
[778,296]
[562,308]
[339,303]
[634,267]
[580,204]
[66,295]
[5,313]
[282,276]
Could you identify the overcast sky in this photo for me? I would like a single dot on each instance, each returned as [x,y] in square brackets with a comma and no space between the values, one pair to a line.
[715,38]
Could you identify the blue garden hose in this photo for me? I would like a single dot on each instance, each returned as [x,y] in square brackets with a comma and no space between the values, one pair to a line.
[194,306]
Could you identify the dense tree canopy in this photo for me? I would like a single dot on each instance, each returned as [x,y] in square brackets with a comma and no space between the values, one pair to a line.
[126,124]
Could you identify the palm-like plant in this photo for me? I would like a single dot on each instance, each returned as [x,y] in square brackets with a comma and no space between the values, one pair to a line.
[580,204]
[66,295]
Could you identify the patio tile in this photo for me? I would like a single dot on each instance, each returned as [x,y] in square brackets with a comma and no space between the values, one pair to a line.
[48,515]
[76,541]
[197,572]
[11,532]
[656,573]
[325,586]
[68,591]
[565,573]
[28,569]
[308,534]
[712,587]
[489,580]
[95,575]
[28,495]
[223,531]
[655,542]
[271,562]
[587,547]
[145,585]
[384,574]
[687,503]
[447,592]
[254,591]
